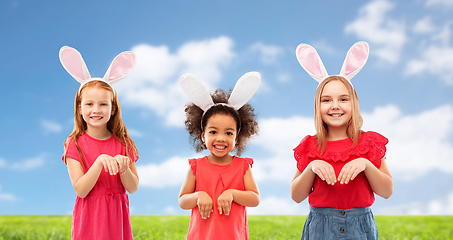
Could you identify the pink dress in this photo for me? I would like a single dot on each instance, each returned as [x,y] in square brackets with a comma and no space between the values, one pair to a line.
[214,180]
[104,212]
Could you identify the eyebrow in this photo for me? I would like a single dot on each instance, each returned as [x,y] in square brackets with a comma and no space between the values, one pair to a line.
[215,128]
[343,95]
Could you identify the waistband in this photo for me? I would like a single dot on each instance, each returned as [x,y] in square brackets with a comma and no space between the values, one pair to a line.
[340,212]
[99,192]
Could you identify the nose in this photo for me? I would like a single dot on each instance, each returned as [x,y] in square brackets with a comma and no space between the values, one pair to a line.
[335,105]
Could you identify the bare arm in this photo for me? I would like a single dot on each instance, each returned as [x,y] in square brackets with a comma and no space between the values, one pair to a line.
[250,197]
[302,183]
[380,180]
[83,182]
[189,199]
[130,179]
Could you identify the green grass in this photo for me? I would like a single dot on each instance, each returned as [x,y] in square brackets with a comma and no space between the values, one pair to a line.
[260,227]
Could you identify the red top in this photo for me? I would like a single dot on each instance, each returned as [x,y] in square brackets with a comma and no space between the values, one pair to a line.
[357,193]
[214,180]
[104,212]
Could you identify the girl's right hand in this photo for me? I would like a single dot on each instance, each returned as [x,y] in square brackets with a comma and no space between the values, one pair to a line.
[324,171]
[110,163]
[204,203]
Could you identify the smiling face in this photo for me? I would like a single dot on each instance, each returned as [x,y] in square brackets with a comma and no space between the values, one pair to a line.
[96,108]
[336,106]
[219,136]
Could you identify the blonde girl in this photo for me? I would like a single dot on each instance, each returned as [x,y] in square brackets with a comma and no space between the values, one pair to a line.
[341,167]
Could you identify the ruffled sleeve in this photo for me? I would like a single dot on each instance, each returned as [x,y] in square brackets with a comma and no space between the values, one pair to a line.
[247,162]
[193,165]
[376,143]
[301,152]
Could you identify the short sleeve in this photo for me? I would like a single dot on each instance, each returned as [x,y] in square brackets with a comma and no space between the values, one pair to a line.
[133,156]
[247,162]
[301,152]
[193,165]
[378,149]
[70,150]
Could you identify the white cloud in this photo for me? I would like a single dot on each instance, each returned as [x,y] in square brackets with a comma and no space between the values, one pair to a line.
[442,206]
[27,164]
[7,196]
[442,3]
[51,126]
[2,163]
[417,143]
[134,133]
[386,35]
[269,53]
[280,165]
[170,173]
[153,84]
[424,25]
[436,60]
[278,206]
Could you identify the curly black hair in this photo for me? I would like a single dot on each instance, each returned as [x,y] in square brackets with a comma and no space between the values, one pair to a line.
[245,121]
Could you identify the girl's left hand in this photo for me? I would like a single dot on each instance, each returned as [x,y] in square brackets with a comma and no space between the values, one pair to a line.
[123,163]
[351,169]
[224,202]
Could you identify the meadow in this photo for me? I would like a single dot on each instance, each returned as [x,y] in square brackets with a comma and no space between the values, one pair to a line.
[260,227]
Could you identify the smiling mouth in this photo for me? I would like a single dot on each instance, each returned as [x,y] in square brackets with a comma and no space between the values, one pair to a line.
[220,147]
[336,114]
[96,118]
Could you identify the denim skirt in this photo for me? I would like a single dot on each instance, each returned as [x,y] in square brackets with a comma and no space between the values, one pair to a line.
[331,223]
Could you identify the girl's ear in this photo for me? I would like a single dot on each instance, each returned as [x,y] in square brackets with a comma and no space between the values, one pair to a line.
[113,109]
[202,137]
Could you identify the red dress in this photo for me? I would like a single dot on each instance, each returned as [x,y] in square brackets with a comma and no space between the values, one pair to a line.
[357,193]
[104,212]
[214,180]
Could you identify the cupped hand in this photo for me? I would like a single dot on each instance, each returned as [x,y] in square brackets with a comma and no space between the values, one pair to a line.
[204,203]
[224,202]
[123,163]
[110,164]
[324,171]
[351,169]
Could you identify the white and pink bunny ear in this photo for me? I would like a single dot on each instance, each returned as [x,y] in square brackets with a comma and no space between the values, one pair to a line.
[353,63]
[244,89]
[355,60]
[74,64]
[309,59]
[194,88]
[121,66]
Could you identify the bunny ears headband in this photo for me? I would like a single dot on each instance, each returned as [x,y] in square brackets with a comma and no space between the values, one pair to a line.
[353,63]
[243,91]
[73,62]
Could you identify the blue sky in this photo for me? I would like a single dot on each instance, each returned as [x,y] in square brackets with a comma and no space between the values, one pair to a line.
[405,91]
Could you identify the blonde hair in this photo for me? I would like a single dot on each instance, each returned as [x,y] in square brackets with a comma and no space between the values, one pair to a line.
[115,125]
[355,123]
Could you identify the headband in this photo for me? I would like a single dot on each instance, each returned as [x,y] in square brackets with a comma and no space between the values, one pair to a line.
[243,91]
[73,62]
[353,63]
